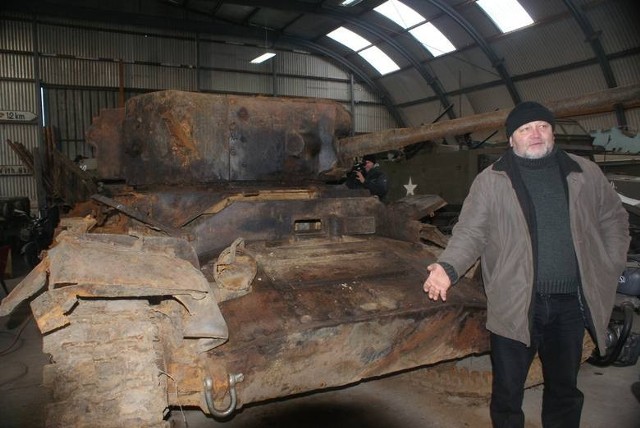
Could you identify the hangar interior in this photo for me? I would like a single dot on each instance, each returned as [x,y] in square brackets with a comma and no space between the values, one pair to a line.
[64,61]
[396,67]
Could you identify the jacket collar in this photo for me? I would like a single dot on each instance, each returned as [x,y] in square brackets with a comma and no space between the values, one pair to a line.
[567,165]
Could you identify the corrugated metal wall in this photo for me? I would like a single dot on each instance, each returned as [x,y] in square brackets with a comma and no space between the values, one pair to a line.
[81,68]
[18,93]
[69,111]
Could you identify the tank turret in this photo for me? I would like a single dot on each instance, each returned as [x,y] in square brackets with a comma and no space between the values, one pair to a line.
[175,137]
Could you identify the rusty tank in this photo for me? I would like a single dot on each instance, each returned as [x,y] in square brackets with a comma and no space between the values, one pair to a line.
[223,264]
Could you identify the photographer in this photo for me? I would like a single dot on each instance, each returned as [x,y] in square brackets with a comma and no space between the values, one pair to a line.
[368,175]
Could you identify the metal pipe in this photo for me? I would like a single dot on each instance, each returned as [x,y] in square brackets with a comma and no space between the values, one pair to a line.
[394,139]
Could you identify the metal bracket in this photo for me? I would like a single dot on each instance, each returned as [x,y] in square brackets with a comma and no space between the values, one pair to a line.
[208,396]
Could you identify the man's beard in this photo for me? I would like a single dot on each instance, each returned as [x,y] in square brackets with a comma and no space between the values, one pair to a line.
[538,154]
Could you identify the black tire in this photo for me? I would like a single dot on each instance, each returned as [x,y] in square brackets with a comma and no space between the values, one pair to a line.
[107,367]
[30,254]
[620,327]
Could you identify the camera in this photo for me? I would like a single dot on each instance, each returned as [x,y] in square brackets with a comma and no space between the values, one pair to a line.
[358,166]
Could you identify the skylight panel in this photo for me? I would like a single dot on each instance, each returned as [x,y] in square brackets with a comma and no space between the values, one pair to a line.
[432,39]
[372,54]
[348,38]
[426,33]
[400,13]
[508,15]
[379,60]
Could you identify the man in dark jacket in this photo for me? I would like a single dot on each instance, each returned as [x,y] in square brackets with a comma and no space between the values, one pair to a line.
[371,178]
[552,236]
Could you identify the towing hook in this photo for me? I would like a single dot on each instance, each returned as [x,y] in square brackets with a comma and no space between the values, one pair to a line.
[208,395]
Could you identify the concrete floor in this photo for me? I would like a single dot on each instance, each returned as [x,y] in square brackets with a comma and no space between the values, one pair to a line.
[406,400]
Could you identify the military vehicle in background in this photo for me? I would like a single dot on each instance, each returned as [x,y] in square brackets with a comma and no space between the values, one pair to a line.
[448,168]
[222,265]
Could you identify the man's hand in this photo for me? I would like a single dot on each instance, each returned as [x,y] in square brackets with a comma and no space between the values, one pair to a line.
[437,282]
[359,176]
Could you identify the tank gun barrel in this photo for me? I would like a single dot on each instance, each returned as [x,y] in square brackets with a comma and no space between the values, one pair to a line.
[393,139]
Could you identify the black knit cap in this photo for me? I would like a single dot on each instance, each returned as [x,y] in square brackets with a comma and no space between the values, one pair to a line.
[371,158]
[525,112]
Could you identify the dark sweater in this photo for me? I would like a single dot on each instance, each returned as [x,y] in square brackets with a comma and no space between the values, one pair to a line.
[556,265]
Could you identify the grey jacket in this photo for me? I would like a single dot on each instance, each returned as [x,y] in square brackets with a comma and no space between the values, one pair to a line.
[492,226]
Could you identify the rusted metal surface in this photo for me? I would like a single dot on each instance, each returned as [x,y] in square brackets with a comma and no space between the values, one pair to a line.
[213,220]
[235,270]
[174,137]
[327,313]
[105,135]
[328,291]
[323,311]
[403,219]
[285,219]
[76,225]
[29,286]
[133,213]
[100,266]
[393,139]
[177,207]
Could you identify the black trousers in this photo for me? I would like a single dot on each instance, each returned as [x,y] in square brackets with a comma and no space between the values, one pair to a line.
[557,336]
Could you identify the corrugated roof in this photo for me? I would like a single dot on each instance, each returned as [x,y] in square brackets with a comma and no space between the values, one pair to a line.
[559,54]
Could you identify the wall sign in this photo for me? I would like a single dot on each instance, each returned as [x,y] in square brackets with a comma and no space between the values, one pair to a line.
[16,116]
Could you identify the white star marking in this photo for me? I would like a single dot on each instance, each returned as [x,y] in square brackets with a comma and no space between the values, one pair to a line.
[410,187]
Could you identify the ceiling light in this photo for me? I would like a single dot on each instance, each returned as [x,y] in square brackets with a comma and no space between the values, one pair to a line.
[349,3]
[262,58]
